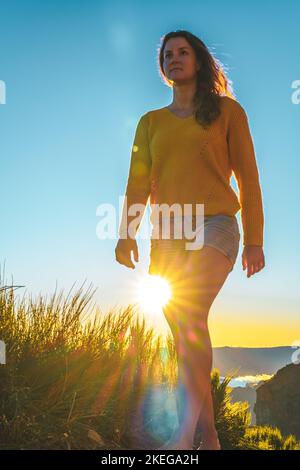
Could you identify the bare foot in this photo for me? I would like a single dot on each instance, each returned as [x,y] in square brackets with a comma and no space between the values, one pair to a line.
[179,445]
[210,444]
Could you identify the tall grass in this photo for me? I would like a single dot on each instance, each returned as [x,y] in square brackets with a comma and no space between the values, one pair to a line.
[75,378]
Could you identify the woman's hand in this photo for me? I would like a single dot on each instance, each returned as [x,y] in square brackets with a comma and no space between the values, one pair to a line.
[123,251]
[253,259]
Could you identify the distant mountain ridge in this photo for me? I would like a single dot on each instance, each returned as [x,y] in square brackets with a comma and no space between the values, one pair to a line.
[251,361]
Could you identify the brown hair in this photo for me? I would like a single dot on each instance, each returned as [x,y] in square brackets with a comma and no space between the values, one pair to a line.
[211,78]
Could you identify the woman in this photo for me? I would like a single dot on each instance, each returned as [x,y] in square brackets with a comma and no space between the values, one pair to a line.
[185,153]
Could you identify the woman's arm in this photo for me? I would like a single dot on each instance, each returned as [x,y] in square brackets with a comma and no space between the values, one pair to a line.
[138,186]
[136,195]
[243,163]
[244,166]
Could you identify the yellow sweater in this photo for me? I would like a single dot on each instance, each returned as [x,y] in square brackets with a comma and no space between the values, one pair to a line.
[176,160]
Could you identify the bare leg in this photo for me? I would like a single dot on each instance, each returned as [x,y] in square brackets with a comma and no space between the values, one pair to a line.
[187,315]
[194,369]
[207,419]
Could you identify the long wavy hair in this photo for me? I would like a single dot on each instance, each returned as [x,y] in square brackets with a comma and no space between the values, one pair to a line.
[211,81]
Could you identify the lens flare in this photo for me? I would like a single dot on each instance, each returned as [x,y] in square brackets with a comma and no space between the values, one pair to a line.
[153,292]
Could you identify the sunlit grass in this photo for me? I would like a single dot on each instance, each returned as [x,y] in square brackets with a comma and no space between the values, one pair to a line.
[75,378]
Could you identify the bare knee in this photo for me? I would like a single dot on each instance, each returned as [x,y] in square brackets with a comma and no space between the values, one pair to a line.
[195,354]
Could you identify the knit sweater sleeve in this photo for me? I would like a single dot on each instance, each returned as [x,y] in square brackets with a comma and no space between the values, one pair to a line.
[138,186]
[244,166]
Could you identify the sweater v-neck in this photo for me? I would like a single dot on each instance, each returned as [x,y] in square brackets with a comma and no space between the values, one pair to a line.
[179,117]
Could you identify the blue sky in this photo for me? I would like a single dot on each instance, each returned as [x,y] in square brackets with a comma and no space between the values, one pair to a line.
[78,76]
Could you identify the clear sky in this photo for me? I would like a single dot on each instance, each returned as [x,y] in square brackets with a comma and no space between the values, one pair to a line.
[78,76]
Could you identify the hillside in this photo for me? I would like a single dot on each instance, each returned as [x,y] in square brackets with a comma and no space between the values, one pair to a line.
[278,401]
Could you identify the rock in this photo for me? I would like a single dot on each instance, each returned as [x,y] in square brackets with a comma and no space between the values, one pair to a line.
[278,401]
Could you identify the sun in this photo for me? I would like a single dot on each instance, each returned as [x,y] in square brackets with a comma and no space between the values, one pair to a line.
[153,292]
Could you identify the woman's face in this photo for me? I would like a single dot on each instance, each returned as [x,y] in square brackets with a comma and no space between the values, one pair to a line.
[180,61]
